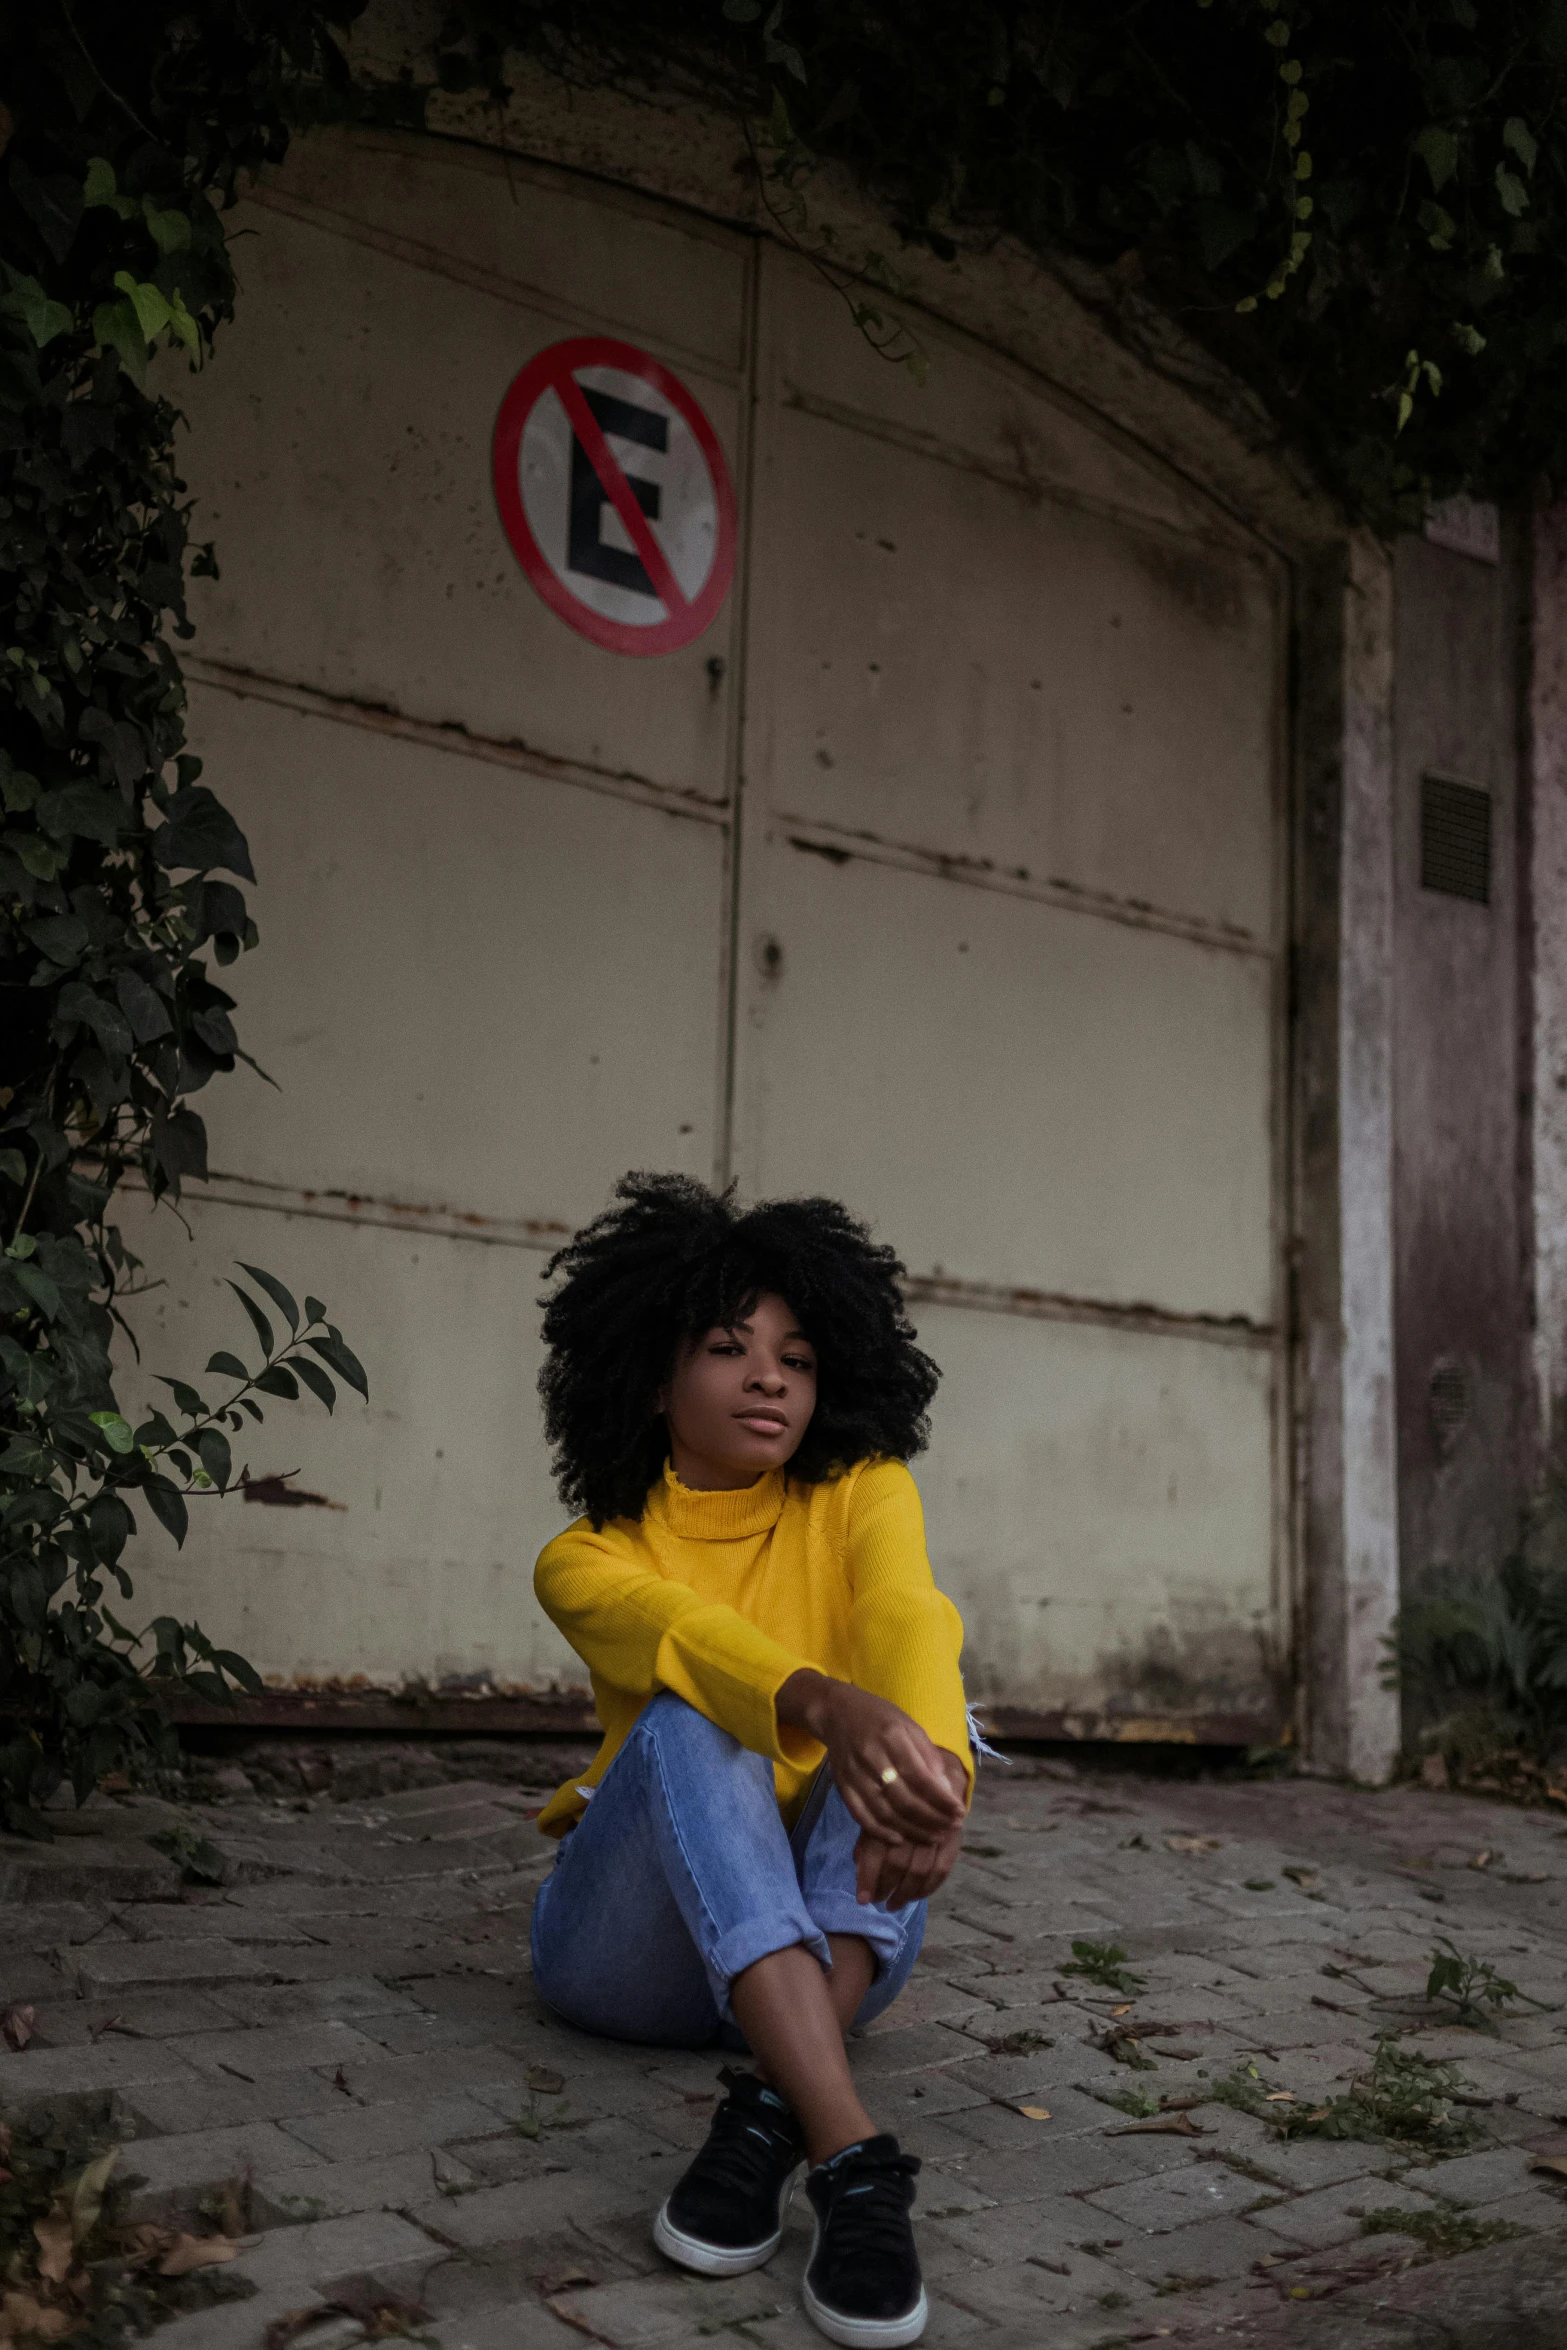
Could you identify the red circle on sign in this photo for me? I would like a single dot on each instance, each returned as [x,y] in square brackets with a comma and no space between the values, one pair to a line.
[555,370]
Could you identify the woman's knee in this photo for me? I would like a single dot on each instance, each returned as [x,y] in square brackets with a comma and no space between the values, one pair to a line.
[674,1728]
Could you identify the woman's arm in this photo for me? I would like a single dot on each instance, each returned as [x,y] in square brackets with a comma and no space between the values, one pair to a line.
[911,1828]
[645,1633]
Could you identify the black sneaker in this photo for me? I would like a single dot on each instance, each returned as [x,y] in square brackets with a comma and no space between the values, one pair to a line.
[727,2214]
[862,2282]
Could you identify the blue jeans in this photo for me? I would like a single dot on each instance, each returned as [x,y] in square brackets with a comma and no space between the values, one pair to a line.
[681,1874]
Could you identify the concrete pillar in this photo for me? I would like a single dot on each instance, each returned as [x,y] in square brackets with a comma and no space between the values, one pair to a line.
[1347,1447]
[1546,950]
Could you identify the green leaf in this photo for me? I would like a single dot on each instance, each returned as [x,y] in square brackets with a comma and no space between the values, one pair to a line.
[190,1403]
[336,1355]
[1470,337]
[43,318]
[38,1286]
[216,1459]
[275,1380]
[258,1320]
[100,186]
[315,1379]
[315,1311]
[1510,188]
[117,1433]
[276,1292]
[1438,224]
[116,327]
[167,1504]
[142,1005]
[227,1366]
[1438,150]
[170,231]
[152,311]
[240,1670]
[1517,135]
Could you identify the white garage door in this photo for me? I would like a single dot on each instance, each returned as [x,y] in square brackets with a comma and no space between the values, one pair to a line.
[992,952]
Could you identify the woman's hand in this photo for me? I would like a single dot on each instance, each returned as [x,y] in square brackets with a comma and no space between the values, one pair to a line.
[900,1873]
[918,1808]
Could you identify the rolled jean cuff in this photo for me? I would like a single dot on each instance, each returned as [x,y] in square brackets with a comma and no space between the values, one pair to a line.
[885,1933]
[758,1938]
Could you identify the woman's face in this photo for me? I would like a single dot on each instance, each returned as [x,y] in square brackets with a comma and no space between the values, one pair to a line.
[739,1401]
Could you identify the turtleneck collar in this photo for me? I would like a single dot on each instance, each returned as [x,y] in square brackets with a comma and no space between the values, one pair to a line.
[717,1517]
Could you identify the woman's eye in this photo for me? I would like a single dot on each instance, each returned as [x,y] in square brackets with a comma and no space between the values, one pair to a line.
[798,1363]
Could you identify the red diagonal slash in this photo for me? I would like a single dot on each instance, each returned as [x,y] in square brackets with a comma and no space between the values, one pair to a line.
[617,489]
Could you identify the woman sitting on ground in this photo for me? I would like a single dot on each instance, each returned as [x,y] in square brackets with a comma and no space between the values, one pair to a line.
[785,1767]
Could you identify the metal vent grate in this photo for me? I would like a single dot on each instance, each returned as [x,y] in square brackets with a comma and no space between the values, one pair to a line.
[1455,839]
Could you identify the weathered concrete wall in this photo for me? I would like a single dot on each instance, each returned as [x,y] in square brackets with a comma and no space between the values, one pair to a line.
[1548,961]
[1343,1038]
[1464,1440]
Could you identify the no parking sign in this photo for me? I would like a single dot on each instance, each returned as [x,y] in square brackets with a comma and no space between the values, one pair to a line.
[614,494]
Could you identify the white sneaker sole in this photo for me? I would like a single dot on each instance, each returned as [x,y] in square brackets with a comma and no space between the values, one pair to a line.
[862,2333]
[721,2260]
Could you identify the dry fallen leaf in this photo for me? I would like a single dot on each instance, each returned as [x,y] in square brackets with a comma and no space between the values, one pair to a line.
[1556,2164]
[381,2315]
[1125,2009]
[562,2280]
[1482,1860]
[547,2082]
[24,2316]
[1318,2113]
[1193,1843]
[16,2027]
[1163,2125]
[55,2245]
[1279,2097]
[188,2252]
[1035,2113]
[1268,2260]
[1304,1878]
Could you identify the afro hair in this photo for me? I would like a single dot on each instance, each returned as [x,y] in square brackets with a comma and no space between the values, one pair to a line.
[673,1260]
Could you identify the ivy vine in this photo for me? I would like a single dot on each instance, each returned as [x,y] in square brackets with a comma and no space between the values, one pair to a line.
[1359,206]
[124,132]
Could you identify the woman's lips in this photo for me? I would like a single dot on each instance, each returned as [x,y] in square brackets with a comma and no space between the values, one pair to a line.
[763,1423]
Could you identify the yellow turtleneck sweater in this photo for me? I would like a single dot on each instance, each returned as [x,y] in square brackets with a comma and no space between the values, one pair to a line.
[721,1596]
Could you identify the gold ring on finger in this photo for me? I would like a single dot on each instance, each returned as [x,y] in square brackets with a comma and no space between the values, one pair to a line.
[889,1777]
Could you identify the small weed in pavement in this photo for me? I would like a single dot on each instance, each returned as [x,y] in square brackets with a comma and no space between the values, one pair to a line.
[1103,1963]
[1403,2098]
[200,1861]
[1470,1985]
[530,2123]
[1441,2232]
[1244,2088]
[1136,2102]
[1019,2043]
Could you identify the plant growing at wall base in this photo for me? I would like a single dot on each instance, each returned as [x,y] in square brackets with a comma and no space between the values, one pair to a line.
[1482,1657]
[122,132]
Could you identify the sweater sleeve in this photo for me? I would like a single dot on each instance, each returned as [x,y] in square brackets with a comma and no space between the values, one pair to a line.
[643,1632]
[905,1636]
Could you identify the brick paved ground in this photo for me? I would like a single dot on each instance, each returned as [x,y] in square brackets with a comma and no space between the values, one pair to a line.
[349,2027]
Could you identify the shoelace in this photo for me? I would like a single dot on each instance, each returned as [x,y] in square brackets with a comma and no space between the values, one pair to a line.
[741,2151]
[870,2216]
